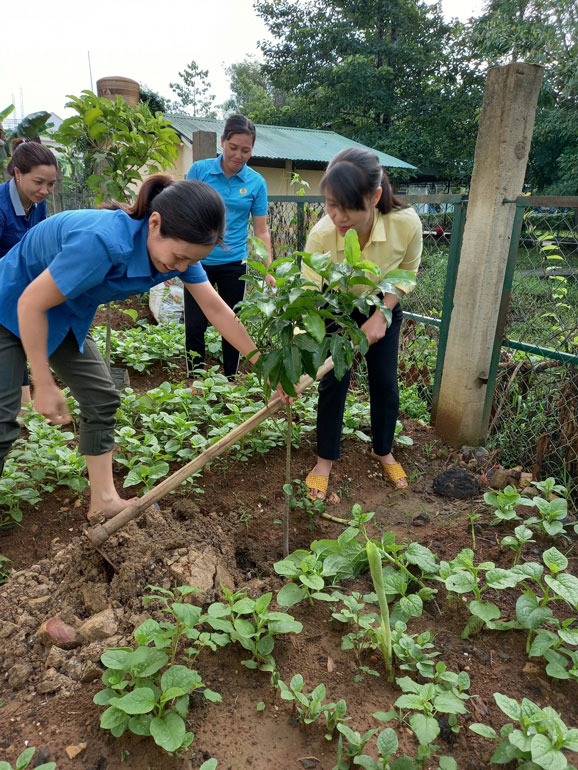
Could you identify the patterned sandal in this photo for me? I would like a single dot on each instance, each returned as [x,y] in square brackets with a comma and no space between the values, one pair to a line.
[394,473]
[316,483]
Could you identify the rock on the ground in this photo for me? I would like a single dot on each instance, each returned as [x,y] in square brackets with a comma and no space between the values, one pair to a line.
[456,483]
[74,751]
[57,658]
[90,672]
[19,675]
[99,626]
[7,629]
[195,569]
[224,578]
[55,631]
[52,682]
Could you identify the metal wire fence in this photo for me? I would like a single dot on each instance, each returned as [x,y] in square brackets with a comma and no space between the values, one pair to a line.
[63,201]
[534,417]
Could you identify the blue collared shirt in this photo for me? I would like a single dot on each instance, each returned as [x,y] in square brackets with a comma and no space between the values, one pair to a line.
[14,223]
[245,194]
[94,257]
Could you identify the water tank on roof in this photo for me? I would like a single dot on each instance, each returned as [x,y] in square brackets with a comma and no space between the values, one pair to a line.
[127,89]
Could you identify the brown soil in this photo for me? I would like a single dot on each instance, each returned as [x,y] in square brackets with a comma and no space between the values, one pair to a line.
[56,570]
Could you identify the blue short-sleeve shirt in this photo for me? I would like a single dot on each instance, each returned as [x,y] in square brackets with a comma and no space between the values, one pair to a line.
[94,257]
[245,194]
[14,224]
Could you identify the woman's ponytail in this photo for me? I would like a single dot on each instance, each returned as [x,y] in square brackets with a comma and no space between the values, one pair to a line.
[190,210]
[142,207]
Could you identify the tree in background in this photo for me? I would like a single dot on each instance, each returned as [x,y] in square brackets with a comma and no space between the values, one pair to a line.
[154,100]
[194,92]
[253,94]
[389,73]
[541,32]
[393,75]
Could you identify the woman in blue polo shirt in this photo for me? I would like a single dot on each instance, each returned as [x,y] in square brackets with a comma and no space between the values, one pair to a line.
[33,170]
[245,194]
[54,279]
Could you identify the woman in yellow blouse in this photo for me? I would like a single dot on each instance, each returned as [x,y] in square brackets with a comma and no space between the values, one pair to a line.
[358,195]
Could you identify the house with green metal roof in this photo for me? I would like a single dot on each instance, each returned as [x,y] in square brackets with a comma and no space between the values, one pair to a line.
[280,151]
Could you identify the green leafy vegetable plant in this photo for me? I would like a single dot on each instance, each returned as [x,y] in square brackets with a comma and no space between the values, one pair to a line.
[364,635]
[562,663]
[445,695]
[462,576]
[549,487]
[413,650]
[141,699]
[252,624]
[537,738]
[146,692]
[24,760]
[505,502]
[184,624]
[517,541]
[532,608]
[350,745]
[551,515]
[310,706]
[307,582]
[387,745]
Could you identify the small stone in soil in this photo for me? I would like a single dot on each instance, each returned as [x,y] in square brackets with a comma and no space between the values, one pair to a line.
[420,520]
[42,756]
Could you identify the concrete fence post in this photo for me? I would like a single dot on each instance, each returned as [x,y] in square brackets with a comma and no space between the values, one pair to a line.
[501,156]
[204,145]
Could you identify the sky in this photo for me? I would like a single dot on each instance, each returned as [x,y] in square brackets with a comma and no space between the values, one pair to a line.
[138,39]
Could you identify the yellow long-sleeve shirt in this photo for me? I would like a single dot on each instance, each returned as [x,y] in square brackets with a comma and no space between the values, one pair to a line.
[395,242]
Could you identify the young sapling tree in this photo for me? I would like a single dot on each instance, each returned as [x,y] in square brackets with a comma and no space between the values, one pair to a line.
[299,323]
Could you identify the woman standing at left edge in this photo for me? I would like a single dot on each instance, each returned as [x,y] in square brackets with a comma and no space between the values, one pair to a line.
[245,195]
[33,169]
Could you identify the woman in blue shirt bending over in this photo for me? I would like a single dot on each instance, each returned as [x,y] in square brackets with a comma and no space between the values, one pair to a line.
[245,194]
[33,170]
[52,282]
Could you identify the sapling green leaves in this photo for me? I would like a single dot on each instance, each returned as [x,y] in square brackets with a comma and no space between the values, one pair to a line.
[290,322]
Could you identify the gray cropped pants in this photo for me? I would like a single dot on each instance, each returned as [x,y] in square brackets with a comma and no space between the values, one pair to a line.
[88,378]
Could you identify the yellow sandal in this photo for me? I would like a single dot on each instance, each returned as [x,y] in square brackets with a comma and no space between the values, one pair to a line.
[394,473]
[317,483]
